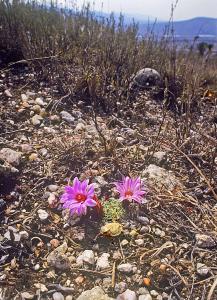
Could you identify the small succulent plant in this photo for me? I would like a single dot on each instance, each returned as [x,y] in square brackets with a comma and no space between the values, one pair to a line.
[112,209]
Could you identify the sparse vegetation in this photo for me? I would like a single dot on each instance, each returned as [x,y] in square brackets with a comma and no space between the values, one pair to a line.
[67,110]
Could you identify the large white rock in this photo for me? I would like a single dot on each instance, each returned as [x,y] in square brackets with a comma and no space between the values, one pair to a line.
[161,178]
[10,156]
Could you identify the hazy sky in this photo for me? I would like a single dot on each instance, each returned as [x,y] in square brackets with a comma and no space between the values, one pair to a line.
[160,9]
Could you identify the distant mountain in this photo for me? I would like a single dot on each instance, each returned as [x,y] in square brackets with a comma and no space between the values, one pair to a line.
[201,26]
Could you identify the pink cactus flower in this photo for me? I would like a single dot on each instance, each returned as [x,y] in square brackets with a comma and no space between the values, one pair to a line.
[131,189]
[78,197]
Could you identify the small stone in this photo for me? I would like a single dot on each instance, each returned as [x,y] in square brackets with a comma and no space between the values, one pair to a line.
[143,291]
[8,93]
[24,235]
[55,119]
[79,279]
[10,156]
[36,267]
[86,257]
[27,295]
[143,220]
[145,297]
[145,229]
[54,243]
[58,296]
[52,200]
[117,255]
[26,148]
[43,151]
[124,243]
[41,287]
[202,269]
[159,297]
[120,287]
[96,293]
[36,108]
[36,120]
[125,268]
[80,127]
[67,117]
[40,101]
[154,293]
[127,295]
[139,242]
[58,259]
[160,158]
[69,297]
[106,283]
[33,156]
[157,232]
[102,262]
[24,97]
[53,187]
[43,215]
[205,241]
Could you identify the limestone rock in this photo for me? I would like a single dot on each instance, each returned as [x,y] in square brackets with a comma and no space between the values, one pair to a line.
[161,178]
[10,156]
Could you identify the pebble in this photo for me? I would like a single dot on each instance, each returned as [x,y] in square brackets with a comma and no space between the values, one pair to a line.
[117,255]
[86,257]
[36,108]
[127,295]
[24,235]
[143,220]
[79,279]
[40,101]
[96,293]
[120,287]
[103,262]
[143,291]
[69,297]
[67,117]
[58,259]
[145,297]
[154,293]
[58,296]
[80,127]
[36,120]
[52,201]
[205,241]
[8,93]
[139,242]
[36,267]
[41,287]
[26,148]
[202,269]
[43,215]
[145,229]
[124,243]
[53,187]
[125,268]
[55,118]
[10,156]
[54,243]
[27,295]
[159,232]
[24,97]
[33,156]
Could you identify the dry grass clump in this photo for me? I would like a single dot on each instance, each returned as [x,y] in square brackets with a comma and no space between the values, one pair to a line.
[105,50]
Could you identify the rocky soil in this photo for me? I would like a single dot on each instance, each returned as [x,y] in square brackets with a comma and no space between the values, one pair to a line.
[168,246]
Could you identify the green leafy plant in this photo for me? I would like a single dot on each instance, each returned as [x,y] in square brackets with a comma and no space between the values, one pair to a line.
[112,210]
